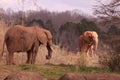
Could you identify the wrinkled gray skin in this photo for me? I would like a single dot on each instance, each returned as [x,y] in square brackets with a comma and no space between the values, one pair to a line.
[27,39]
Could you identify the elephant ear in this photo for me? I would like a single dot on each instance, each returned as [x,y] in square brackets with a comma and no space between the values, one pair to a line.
[44,36]
[49,36]
[41,36]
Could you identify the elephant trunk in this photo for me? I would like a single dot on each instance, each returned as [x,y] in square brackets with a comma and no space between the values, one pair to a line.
[49,51]
[95,44]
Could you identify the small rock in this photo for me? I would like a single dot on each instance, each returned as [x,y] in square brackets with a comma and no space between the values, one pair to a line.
[24,75]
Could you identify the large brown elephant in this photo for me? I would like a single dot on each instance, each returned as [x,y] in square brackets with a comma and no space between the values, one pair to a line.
[27,39]
[88,42]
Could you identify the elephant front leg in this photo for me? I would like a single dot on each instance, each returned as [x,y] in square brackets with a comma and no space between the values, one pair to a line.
[29,57]
[34,52]
[33,58]
[91,51]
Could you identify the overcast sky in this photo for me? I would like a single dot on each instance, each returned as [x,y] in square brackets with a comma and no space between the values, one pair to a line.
[51,5]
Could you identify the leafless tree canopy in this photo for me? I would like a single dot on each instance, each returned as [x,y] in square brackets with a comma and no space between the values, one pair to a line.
[109,12]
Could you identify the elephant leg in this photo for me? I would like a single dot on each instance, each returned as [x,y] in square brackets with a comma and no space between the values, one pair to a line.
[85,49]
[49,52]
[34,54]
[89,49]
[87,52]
[92,51]
[33,58]
[10,59]
[29,57]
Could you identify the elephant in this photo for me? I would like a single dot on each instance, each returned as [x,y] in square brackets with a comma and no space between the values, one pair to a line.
[27,39]
[88,42]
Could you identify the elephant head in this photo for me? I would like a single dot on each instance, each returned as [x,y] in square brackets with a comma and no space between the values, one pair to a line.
[45,37]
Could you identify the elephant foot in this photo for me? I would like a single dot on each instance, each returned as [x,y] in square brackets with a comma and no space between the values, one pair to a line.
[13,64]
[48,57]
[30,62]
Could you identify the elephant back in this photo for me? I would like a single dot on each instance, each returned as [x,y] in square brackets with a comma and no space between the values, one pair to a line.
[22,38]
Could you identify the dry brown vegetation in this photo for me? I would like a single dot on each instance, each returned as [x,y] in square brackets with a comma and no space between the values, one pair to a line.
[62,61]
[59,56]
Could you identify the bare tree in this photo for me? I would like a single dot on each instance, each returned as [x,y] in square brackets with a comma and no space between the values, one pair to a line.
[108,13]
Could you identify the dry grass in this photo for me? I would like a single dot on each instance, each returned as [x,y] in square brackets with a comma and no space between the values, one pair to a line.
[59,56]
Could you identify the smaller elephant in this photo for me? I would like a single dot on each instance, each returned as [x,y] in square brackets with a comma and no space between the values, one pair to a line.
[27,39]
[88,42]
